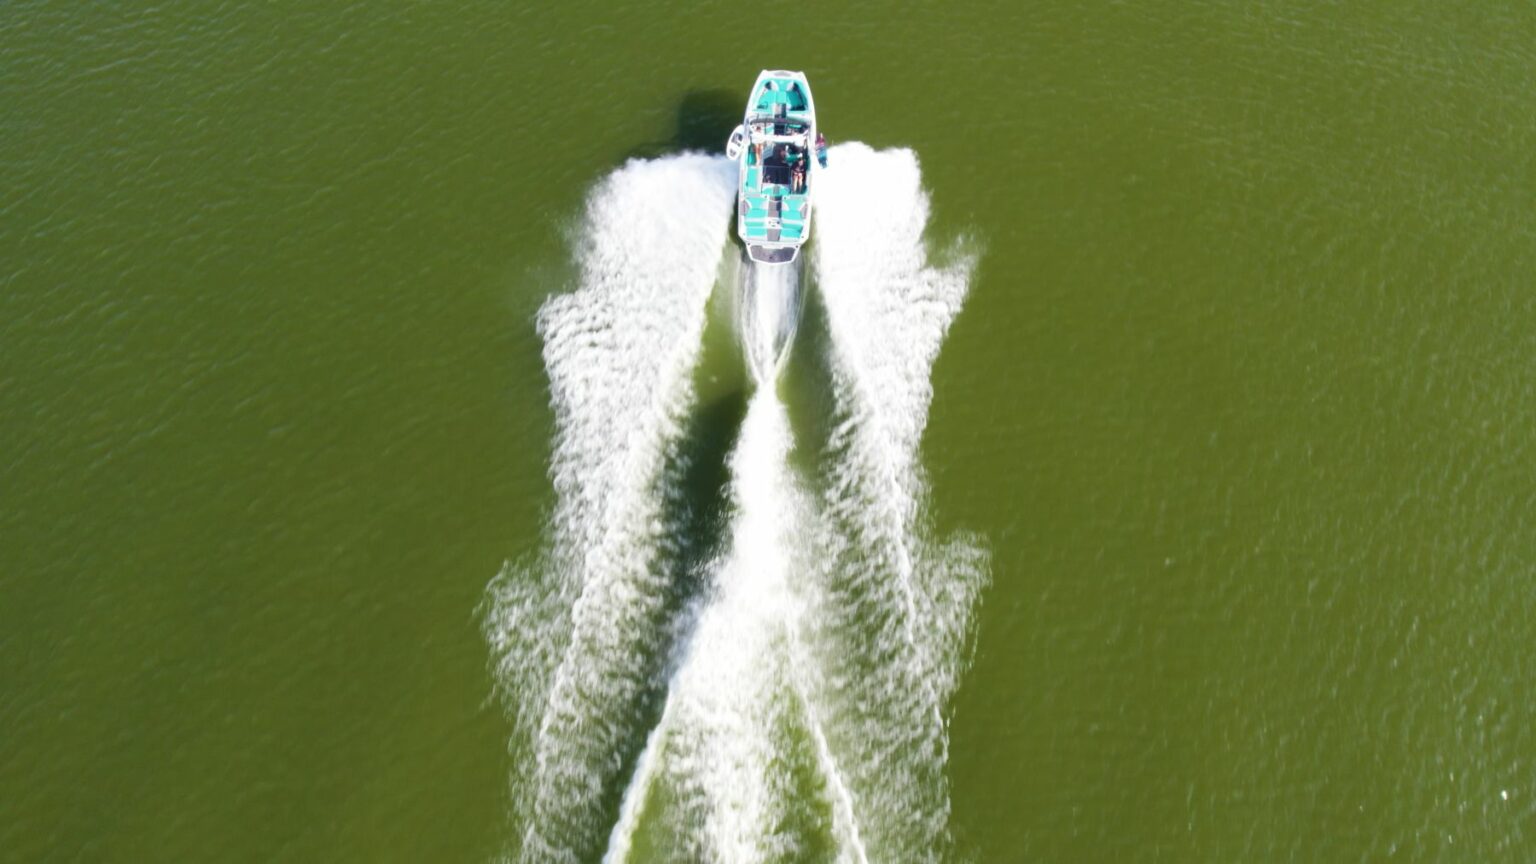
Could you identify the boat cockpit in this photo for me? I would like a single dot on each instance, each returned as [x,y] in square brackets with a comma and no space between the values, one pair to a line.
[783,164]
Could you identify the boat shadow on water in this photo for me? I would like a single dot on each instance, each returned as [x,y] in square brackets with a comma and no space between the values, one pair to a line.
[704,121]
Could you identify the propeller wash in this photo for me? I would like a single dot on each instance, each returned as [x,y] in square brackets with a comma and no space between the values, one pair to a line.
[741,656]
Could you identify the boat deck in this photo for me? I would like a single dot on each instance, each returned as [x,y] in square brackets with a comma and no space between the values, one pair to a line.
[772,208]
[761,202]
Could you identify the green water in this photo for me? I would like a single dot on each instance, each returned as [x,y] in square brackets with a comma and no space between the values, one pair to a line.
[1242,402]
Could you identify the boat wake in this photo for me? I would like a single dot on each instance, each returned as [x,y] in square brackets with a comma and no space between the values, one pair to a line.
[769,315]
[743,654]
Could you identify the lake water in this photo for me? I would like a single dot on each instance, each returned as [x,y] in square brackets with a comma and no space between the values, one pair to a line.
[333,370]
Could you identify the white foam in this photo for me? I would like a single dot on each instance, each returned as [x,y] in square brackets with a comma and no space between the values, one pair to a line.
[577,636]
[728,689]
[769,316]
[638,791]
[830,636]
[889,607]
[737,694]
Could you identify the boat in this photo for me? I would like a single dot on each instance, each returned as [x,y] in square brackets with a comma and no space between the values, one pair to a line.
[777,148]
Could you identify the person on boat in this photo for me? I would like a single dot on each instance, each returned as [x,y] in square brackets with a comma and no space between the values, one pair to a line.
[796,159]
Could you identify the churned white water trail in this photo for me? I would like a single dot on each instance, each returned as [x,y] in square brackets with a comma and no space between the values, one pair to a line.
[778,692]
[728,695]
[769,316]
[737,694]
[638,792]
[579,637]
[885,688]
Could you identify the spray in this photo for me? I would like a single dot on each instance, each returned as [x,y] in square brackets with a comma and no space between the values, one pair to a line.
[796,707]
[769,310]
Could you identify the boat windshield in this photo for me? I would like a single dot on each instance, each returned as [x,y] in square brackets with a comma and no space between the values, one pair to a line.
[778,126]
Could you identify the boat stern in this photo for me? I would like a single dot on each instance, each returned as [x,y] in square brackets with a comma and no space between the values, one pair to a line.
[772,254]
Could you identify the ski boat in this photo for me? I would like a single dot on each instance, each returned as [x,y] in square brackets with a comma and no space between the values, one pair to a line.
[774,146]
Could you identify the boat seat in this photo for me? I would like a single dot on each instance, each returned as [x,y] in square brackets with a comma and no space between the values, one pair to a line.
[788,94]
